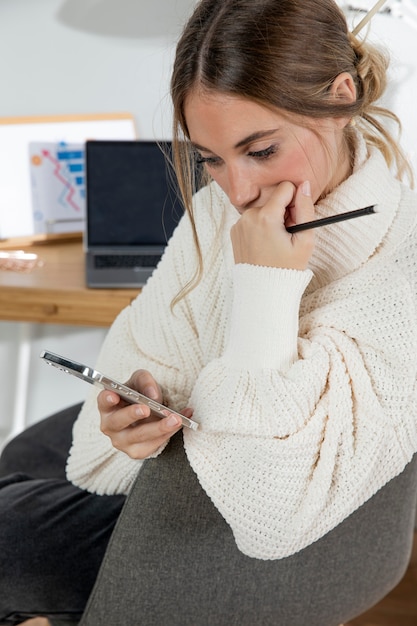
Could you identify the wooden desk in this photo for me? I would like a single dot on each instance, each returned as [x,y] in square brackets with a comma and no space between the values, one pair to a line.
[56,293]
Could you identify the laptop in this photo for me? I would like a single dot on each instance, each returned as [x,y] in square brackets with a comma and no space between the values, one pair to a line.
[132,208]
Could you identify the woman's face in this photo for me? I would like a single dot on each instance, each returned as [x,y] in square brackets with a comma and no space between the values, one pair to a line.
[249,149]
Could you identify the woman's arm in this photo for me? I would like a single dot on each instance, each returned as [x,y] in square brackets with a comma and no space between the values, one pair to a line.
[289,448]
[147,335]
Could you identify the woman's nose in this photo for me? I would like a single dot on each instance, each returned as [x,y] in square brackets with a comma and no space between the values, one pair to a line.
[242,189]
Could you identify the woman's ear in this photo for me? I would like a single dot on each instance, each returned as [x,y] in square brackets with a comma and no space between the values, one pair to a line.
[343,88]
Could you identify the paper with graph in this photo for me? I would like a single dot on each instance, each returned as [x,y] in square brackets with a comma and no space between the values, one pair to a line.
[57,172]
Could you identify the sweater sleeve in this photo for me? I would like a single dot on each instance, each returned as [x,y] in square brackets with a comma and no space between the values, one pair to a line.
[145,335]
[297,433]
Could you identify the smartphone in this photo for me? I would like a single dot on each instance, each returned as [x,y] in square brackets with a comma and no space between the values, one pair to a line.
[100,380]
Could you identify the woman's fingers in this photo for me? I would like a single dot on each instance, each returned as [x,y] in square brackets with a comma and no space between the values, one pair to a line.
[260,237]
[133,428]
[145,383]
[302,209]
[143,438]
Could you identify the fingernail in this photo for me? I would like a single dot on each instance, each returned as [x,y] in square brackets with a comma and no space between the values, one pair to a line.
[151,392]
[172,421]
[306,188]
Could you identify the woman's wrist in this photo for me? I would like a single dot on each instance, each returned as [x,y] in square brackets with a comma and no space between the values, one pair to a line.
[264,317]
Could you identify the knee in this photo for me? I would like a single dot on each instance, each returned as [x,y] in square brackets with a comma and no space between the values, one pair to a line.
[13,453]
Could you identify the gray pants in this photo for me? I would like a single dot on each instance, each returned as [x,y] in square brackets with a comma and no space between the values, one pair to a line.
[172,559]
[53,536]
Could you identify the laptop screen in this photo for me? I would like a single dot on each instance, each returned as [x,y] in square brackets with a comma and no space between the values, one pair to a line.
[131,196]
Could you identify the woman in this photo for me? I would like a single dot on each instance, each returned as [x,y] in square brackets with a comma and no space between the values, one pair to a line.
[295,353]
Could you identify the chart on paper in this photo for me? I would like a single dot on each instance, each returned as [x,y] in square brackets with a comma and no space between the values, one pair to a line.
[57,172]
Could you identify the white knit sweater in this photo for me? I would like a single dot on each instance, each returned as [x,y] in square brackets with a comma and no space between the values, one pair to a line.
[304,382]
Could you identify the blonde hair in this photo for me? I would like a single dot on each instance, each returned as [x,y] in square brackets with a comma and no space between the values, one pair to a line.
[283,54]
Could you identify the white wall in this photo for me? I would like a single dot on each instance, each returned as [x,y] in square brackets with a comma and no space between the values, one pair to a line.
[91,56]
[52,61]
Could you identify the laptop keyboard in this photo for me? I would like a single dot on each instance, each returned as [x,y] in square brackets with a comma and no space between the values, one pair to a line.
[104,261]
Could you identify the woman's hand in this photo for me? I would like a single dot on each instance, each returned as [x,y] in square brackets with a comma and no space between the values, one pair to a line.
[131,427]
[260,236]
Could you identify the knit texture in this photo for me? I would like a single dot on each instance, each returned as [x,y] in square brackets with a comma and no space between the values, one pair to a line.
[303,382]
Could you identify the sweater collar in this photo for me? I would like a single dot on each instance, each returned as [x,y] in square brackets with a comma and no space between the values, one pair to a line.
[343,247]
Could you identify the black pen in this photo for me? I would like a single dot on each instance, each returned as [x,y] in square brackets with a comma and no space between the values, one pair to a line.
[332,219]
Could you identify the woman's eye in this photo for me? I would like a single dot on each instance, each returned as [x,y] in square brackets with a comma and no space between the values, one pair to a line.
[210,161]
[263,154]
